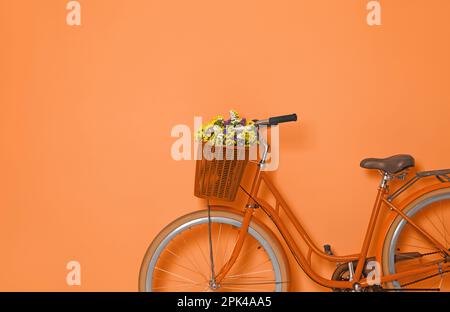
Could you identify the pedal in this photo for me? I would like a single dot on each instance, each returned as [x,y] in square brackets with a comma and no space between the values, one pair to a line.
[327,249]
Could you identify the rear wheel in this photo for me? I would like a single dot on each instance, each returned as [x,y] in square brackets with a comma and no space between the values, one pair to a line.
[178,259]
[406,249]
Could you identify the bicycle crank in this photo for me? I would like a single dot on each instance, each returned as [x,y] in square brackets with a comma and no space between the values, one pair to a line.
[344,273]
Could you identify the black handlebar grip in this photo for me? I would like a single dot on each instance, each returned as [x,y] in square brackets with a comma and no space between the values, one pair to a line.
[279,119]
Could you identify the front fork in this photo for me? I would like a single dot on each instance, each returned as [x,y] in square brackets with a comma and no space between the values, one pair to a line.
[250,208]
[237,248]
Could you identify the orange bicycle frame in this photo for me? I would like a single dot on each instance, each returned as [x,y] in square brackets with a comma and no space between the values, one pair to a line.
[254,202]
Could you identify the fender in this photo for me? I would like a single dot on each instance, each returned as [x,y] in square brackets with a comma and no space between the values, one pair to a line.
[402,205]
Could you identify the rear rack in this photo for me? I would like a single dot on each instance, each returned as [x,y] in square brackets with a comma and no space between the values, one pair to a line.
[442,175]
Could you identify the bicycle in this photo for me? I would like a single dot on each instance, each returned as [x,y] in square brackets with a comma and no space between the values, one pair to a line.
[194,252]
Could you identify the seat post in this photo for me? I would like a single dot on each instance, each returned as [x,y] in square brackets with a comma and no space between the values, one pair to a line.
[385,179]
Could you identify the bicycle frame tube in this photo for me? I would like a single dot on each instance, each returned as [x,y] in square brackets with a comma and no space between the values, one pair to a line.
[313,248]
[254,202]
[361,257]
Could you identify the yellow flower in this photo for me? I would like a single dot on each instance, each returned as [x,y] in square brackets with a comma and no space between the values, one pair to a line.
[231,133]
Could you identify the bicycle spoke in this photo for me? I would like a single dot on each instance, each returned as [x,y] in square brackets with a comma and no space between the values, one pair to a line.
[263,282]
[177,286]
[245,277]
[445,281]
[190,260]
[225,251]
[420,240]
[258,265]
[248,273]
[176,275]
[229,250]
[182,266]
[201,251]
[249,249]
[442,221]
[242,288]
[218,240]
[435,227]
[416,246]
[165,279]
[245,257]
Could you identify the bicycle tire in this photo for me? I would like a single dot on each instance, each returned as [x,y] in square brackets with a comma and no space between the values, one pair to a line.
[256,229]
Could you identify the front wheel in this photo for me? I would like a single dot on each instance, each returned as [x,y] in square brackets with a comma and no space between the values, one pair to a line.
[406,249]
[179,257]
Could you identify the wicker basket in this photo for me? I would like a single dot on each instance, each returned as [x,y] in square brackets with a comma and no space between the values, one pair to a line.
[220,178]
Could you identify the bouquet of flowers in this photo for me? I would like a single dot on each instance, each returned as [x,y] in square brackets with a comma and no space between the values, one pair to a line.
[235,131]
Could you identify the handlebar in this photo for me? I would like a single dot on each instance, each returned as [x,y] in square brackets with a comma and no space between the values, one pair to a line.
[273,121]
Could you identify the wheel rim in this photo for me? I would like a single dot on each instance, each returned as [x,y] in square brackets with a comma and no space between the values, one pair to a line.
[440,227]
[230,282]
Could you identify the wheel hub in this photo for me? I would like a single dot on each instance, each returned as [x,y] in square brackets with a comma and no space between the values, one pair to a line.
[213,285]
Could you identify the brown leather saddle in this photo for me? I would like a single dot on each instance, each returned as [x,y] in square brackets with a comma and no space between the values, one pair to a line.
[392,165]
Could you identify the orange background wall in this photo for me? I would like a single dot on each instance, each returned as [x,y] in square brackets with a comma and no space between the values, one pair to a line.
[86,114]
